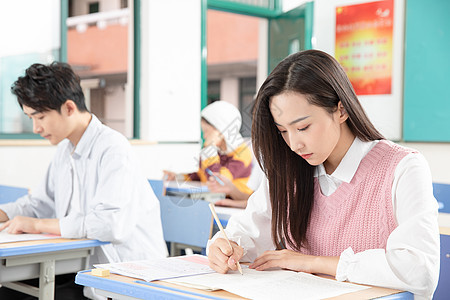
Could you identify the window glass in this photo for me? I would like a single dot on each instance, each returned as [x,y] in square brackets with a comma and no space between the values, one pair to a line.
[213,91]
[247,100]
[93,7]
[232,61]
[30,35]
[97,49]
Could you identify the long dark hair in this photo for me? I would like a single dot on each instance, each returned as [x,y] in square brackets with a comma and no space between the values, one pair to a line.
[322,80]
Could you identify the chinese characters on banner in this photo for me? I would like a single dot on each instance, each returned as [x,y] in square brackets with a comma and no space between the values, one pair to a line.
[364,45]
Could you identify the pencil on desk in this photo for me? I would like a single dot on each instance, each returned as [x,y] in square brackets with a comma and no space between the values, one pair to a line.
[213,211]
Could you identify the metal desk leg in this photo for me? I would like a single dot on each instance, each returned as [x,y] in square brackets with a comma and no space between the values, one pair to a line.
[47,280]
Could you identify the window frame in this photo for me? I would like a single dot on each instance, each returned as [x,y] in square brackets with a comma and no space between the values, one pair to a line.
[136,69]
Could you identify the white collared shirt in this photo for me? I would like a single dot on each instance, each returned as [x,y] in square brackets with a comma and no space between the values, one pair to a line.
[116,202]
[411,258]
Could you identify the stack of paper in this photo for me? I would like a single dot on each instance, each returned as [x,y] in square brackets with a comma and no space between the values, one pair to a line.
[267,284]
[162,268]
[6,237]
[193,271]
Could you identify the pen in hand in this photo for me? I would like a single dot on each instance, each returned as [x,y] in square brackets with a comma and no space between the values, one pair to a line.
[214,176]
[213,211]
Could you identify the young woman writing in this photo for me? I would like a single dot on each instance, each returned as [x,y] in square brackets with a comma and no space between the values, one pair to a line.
[338,199]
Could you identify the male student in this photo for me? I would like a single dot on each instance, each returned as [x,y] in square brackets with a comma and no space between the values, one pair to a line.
[93,187]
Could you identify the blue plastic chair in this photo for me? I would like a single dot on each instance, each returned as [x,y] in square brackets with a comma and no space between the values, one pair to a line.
[11,193]
[184,220]
[441,192]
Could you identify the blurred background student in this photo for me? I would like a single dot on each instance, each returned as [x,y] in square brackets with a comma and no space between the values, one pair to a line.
[226,161]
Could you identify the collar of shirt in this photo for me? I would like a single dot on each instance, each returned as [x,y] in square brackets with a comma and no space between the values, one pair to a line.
[346,169]
[87,139]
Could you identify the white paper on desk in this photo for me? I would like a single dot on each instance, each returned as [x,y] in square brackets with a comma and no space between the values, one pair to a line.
[163,268]
[269,284]
[6,237]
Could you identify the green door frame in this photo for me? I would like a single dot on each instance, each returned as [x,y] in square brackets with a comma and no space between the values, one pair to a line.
[136,58]
[250,10]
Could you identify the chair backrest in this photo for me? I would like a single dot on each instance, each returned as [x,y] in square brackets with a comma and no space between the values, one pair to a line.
[441,192]
[11,193]
[184,220]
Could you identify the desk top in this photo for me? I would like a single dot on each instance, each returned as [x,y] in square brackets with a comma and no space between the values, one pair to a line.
[50,245]
[133,287]
[186,187]
[444,223]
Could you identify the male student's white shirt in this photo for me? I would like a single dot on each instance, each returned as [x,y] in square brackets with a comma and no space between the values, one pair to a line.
[116,202]
[411,259]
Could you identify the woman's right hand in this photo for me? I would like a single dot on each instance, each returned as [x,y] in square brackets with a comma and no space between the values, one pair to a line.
[169,175]
[222,258]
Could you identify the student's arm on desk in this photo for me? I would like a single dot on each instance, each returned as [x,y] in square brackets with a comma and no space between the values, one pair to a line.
[232,203]
[21,224]
[295,261]
[169,175]
[228,188]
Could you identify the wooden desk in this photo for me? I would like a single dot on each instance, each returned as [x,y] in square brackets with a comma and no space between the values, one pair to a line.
[43,259]
[123,287]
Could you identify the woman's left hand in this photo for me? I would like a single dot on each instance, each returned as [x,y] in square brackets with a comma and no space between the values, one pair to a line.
[285,259]
[295,261]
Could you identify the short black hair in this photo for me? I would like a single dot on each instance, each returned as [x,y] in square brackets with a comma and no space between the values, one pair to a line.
[48,87]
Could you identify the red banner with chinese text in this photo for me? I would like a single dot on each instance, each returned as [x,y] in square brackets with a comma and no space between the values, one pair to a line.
[364,45]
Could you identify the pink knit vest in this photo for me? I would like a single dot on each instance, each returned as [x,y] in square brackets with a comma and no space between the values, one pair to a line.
[358,214]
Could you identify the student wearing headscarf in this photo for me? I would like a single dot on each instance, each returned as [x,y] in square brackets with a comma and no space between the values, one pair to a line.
[225,153]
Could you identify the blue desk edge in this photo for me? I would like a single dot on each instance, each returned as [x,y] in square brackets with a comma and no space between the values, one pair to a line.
[139,291]
[32,249]
[131,289]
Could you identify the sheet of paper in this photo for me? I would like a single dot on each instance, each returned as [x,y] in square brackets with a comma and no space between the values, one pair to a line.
[6,237]
[163,268]
[265,284]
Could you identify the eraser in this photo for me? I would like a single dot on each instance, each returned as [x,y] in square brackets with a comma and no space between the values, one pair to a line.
[100,272]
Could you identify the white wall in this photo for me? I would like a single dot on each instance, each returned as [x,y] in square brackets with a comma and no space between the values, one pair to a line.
[229,90]
[263,41]
[26,166]
[288,5]
[437,155]
[115,107]
[171,70]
